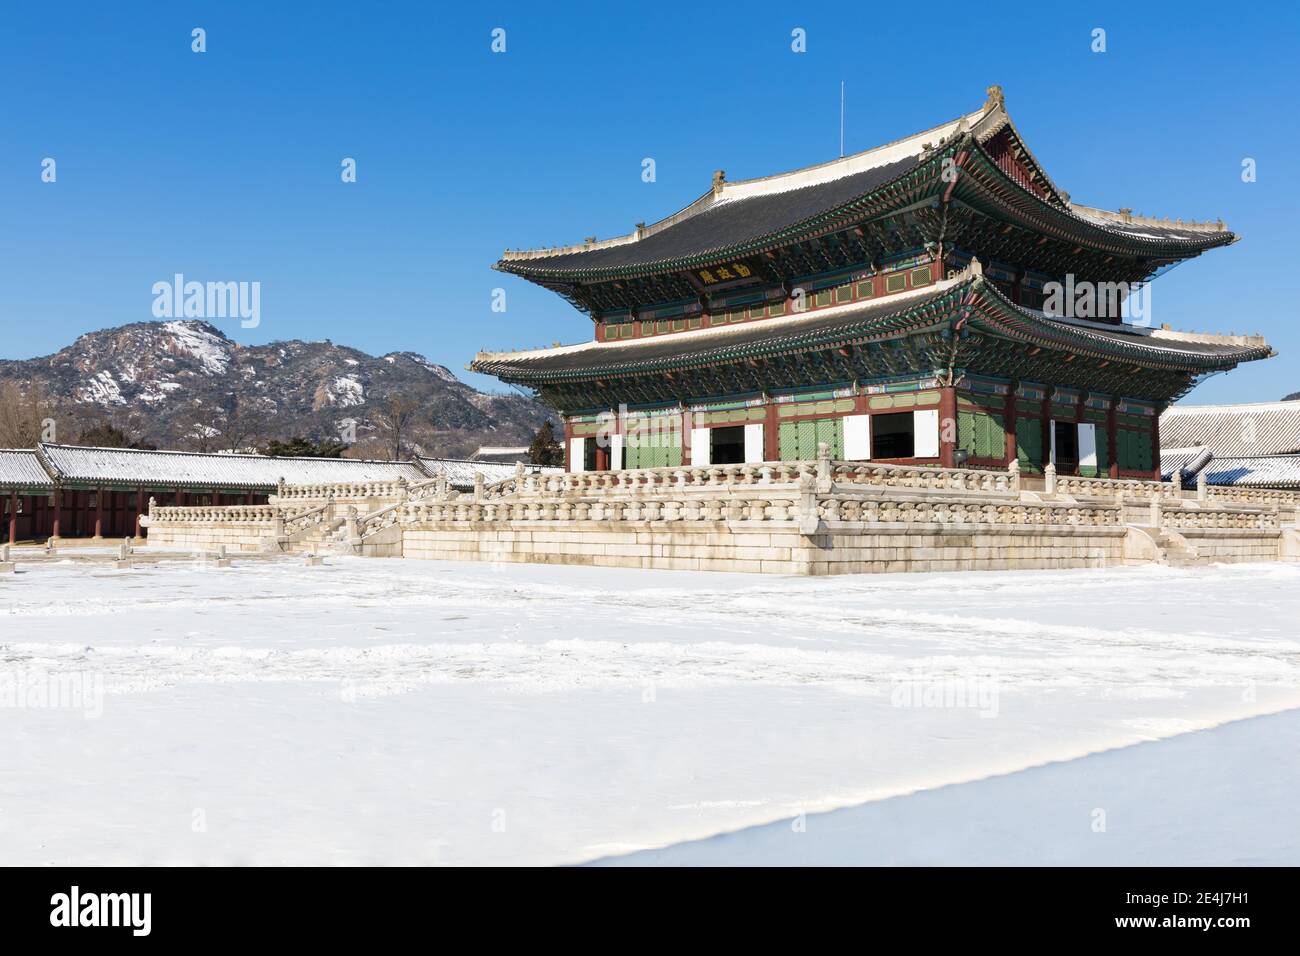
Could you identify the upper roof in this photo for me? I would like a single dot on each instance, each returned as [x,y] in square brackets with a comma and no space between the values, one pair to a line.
[1247,430]
[741,218]
[128,466]
[863,321]
[20,468]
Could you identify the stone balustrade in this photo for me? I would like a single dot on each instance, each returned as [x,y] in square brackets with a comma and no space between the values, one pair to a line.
[923,477]
[345,490]
[1253,496]
[1080,487]
[1180,518]
[211,514]
[306,520]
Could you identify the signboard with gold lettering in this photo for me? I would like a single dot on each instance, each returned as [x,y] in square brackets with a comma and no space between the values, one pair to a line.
[735,271]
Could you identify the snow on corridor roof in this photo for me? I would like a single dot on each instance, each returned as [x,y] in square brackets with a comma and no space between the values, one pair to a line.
[20,468]
[130,466]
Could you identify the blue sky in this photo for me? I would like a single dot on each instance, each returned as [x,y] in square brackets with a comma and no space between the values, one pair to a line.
[225,165]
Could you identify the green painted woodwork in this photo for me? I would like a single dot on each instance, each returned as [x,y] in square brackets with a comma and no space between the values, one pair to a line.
[659,451]
[1103,458]
[793,409]
[1029,444]
[981,434]
[798,440]
[1133,449]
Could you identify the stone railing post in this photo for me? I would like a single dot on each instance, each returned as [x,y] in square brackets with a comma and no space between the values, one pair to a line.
[1202,491]
[478,486]
[1049,479]
[152,502]
[1155,511]
[823,467]
[1013,475]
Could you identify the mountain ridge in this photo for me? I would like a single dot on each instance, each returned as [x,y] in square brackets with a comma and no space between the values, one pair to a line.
[185,383]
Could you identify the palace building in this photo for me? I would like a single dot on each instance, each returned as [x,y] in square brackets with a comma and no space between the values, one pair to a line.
[76,491]
[900,305]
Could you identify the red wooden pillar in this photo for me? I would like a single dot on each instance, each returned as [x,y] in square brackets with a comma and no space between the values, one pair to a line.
[58,513]
[1112,439]
[1009,426]
[180,498]
[1046,425]
[771,434]
[99,512]
[947,425]
[13,516]
[1155,444]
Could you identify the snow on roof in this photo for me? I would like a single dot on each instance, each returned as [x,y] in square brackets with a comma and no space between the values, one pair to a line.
[20,468]
[509,455]
[460,473]
[1188,461]
[1261,471]
[135,467]
[1241,431]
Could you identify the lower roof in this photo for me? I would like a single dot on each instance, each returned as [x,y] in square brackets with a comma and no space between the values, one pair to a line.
[1245,430]
[874,320]
[130,466]
[1260,471]
[40,470]
[21,469]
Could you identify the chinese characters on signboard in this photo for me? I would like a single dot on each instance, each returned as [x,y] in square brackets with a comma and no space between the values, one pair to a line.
[728,272]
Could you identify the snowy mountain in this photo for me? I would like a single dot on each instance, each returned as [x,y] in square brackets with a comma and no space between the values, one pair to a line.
[175,384]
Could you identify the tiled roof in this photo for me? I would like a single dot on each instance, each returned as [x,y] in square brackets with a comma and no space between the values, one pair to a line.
[1240,431]
[460,473]
[727,224]
[21,469]
[872,319]
[1188,461]
[1262,471]
[499,454]
[737,218]
[129,466]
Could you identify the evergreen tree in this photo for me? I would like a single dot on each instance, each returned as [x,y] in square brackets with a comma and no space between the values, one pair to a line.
[545,450]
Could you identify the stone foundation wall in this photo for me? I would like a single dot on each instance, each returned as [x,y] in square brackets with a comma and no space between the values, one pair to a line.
[198,536]
[719,546]
[809,518]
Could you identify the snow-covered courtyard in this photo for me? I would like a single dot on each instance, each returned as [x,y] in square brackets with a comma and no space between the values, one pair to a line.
[389,711]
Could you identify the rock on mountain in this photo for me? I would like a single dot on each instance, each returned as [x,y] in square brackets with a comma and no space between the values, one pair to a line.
[186,384]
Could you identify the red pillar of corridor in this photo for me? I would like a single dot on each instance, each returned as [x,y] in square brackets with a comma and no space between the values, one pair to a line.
[947,425]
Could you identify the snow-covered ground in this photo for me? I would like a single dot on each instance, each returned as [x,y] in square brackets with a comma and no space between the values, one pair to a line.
[387,711]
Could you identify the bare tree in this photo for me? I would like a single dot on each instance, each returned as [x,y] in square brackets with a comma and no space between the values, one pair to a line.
[239,427]
[23,413]
[393,416]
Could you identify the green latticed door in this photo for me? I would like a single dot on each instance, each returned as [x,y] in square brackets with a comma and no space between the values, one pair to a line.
[981,434]
[654,451]
[1133,449]
[799,440]
[1029,444]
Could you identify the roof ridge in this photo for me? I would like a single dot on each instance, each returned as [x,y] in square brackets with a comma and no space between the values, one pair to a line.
[215,454]
[717,195]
